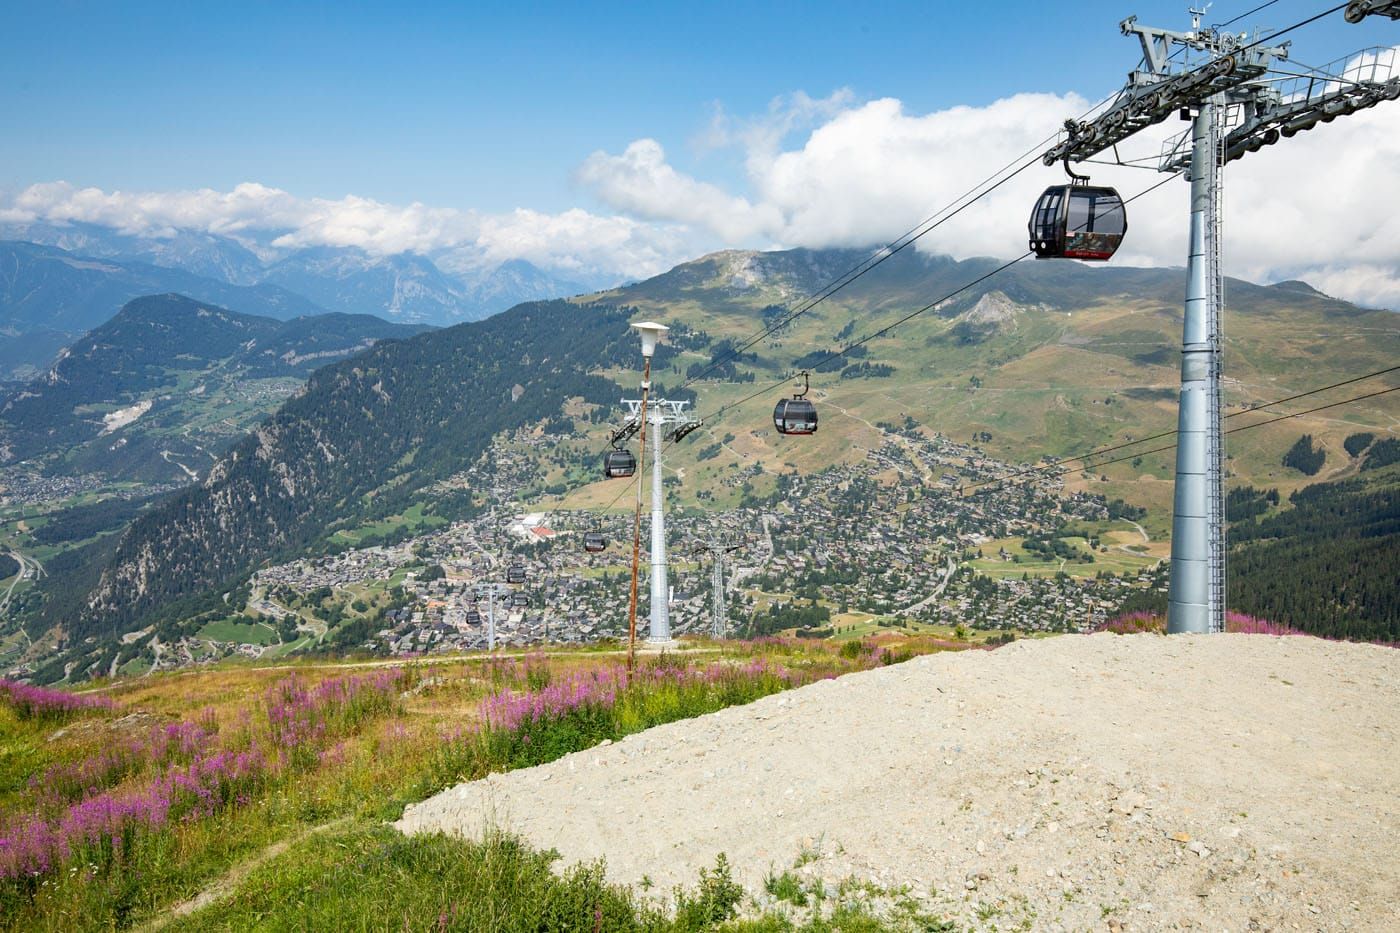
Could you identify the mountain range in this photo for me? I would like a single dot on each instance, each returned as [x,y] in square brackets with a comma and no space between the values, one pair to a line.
[156,393]
[1040,359]
[58,281]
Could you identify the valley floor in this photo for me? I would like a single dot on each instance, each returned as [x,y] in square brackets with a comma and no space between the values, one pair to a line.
[1133,782]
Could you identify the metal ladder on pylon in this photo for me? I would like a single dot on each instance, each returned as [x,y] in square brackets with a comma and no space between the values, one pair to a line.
[1216,438]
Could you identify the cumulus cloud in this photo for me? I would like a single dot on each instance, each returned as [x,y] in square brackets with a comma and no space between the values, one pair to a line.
[579,241]
[861,176]
[572,241]
[836,171]
[1319,206]
[642,183]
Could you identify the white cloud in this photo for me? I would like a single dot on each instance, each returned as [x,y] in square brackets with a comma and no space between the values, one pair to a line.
[571,241]
[247,206]
[642,183]
[1320,206]
[839,172]
[578,241]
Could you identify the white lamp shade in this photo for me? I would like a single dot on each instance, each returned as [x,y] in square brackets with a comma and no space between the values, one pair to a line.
[651,332]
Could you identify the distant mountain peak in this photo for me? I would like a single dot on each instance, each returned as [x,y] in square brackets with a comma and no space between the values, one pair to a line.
[1298,285]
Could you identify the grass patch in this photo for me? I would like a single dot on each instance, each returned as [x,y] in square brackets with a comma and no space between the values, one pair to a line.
[239,633]
[373,877]
[112,814]
[411,519]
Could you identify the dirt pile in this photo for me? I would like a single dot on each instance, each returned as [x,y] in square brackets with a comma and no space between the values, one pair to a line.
[1221,782]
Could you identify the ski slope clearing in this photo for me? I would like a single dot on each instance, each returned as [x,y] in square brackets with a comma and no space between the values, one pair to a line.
[1133,781]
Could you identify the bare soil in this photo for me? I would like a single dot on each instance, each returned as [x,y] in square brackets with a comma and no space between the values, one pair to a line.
[1225,782]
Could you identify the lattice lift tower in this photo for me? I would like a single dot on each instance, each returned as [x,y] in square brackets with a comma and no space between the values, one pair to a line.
[718,549]
[1238,103]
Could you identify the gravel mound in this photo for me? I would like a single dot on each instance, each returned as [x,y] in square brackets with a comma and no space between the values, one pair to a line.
[1223,782]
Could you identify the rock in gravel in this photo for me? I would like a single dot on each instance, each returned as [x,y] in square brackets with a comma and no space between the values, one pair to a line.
[1216,782]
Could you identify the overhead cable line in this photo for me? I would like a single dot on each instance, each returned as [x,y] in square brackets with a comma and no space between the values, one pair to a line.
[1083,459]
[909,237]
[1287,29]
[1172,433]
[889,250]
[1229,22]
[844,351]
[855,272]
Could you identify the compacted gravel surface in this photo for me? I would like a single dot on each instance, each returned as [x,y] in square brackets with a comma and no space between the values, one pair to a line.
[1226,782]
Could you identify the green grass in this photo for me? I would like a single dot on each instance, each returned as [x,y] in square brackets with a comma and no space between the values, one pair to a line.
[355,774]
[369,877]
[374,878]
[411,519]
[239,633]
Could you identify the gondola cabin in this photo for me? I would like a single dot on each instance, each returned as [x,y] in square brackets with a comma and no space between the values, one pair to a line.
[1077,222]
[795,416]
[519,601]
[618,464]
[593,542]
[515,575]
[473,617]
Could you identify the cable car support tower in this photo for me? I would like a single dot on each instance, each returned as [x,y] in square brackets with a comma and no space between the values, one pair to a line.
[718,549]
[1223,83]
[660,414]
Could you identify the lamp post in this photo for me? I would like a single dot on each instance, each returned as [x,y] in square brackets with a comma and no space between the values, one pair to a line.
[651,333]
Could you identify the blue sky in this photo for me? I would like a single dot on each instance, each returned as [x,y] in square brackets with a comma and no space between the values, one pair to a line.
[481,111]
[492,105]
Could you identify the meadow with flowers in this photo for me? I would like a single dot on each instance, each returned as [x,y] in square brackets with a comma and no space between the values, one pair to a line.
[119,804]
[247,796]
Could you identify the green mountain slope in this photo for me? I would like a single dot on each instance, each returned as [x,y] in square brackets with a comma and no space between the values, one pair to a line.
[1043,359]
[365,436]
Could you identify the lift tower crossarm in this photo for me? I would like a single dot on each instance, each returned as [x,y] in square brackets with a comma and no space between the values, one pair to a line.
[625,433]
[1361,80]
[1155,92]
[1358,10]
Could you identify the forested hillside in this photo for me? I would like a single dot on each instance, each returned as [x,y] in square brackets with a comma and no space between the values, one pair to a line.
[363,438]
[1328,565]
[1043,360]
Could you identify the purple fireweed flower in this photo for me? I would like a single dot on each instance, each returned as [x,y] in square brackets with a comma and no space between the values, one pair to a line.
[102,827]
[1250,625]
[32,702]
[1133,622]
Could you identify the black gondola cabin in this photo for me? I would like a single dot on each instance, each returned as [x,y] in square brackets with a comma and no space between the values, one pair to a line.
[1077,222]
[618,464]
[795,416]
[515,575]
[593,542]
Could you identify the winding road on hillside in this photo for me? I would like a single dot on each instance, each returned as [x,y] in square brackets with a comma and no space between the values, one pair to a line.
[923,471]
[29,569]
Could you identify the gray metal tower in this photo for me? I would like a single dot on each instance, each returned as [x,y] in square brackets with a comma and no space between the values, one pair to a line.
[1223,83]
[719,612]
[661,413]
